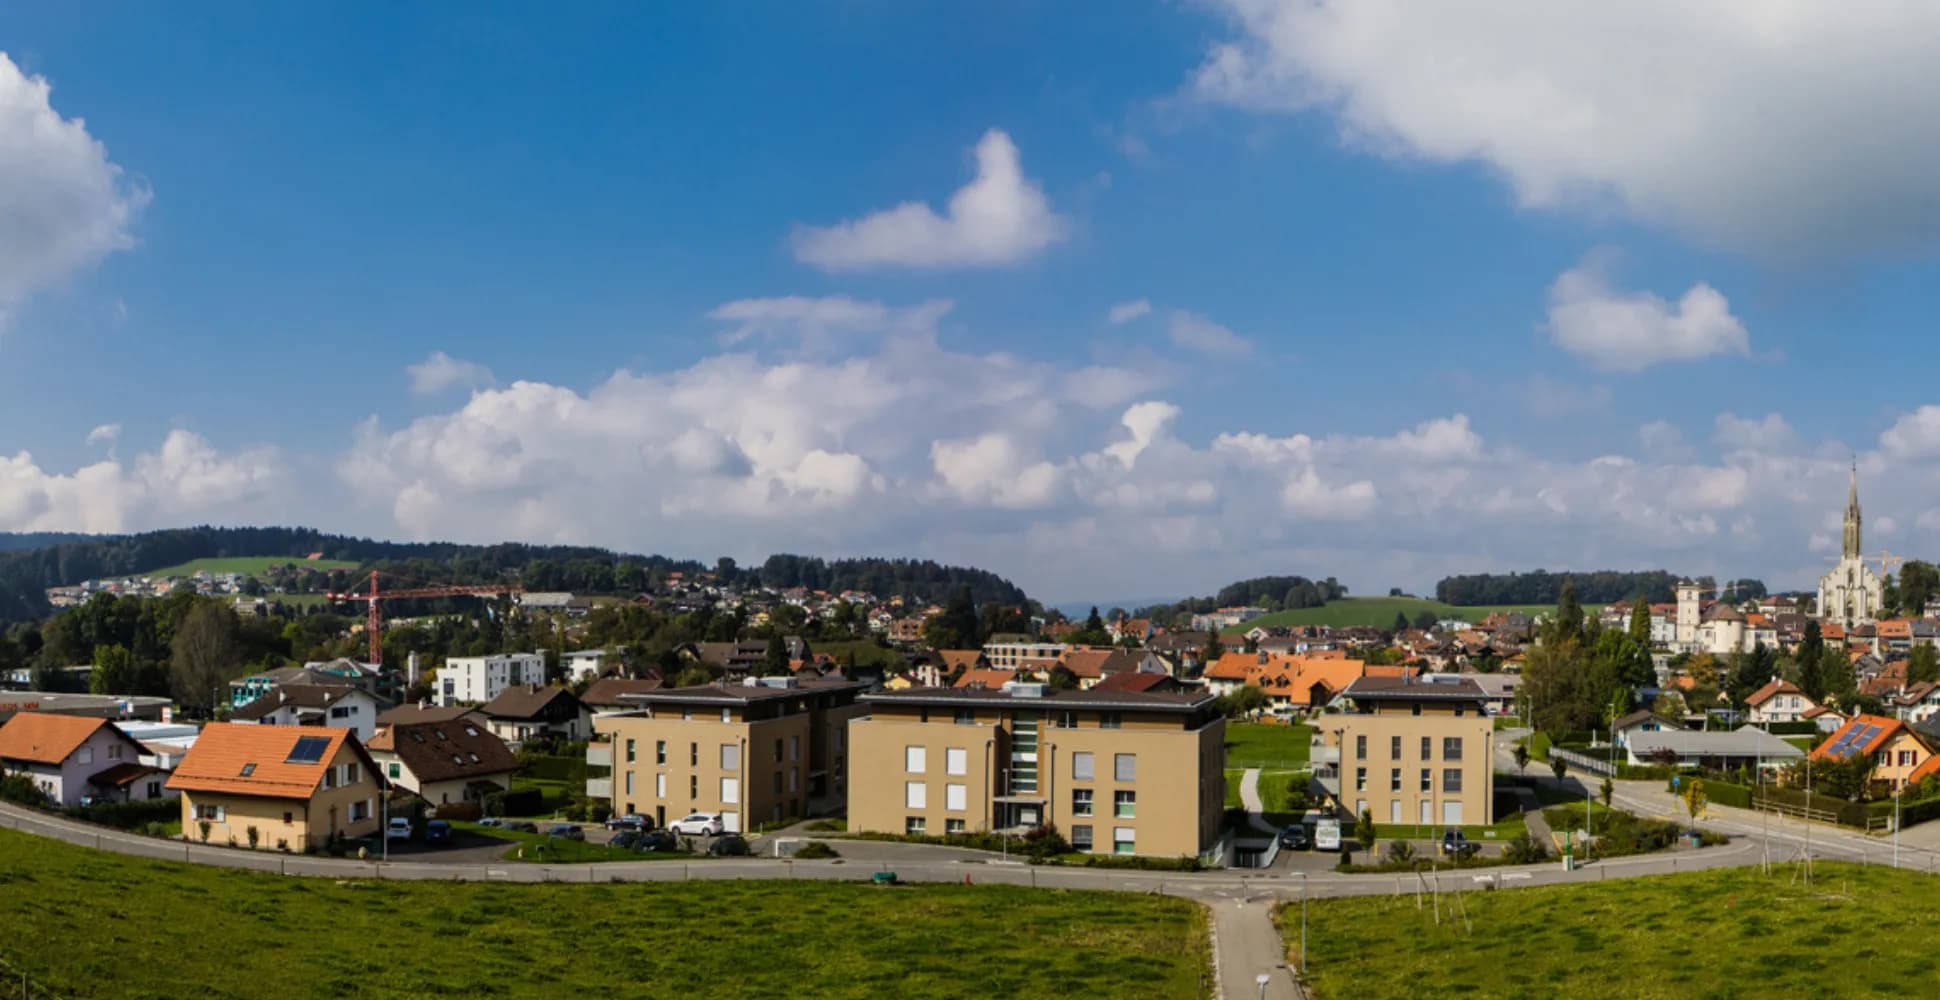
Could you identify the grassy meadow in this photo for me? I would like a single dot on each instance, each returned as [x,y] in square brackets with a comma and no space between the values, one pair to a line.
[1380,611]
[1264,744]
[81,923]
[246,565]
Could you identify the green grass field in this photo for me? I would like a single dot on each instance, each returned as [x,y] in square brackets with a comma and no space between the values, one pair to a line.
[1380,611]
[247,565]
[1721,934]
[79,923]
[1258,744]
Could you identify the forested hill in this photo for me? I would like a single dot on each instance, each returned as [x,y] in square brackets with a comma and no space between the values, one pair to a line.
[1599,587]
[11,541]
[1274,593]
[26,573]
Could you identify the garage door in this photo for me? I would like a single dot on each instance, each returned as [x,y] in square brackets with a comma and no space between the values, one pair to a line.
[731,821]
[1451,814]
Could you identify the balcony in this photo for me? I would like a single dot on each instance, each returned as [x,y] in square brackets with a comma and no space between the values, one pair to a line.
[1326,780]
[599,788]
[599,755]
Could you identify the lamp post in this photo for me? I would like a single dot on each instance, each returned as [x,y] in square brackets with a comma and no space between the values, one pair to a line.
[1896,822]
[1303,925]
[1262,979]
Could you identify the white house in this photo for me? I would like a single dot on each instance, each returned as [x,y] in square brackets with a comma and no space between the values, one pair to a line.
[1643,721]
[588,664]
[75,759]
[335,705]
[444,762]
[1778,701]
[471,680]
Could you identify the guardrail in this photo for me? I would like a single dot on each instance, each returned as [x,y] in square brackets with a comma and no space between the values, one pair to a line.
[1583,762]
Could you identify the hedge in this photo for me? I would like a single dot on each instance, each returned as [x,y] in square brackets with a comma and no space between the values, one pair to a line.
[571,770]
[1803,727]
[128,815]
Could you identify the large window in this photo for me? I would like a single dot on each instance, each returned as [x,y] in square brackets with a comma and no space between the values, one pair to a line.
[693,755]
[1081,767]
[956,798]
[731,791]
[1394,748]
[1360,779]
[1451,748]
[1124,804]
[916,760]
[955,826]
[1394,780]
[1081,802]
[1360,746]
[1124,767]
[660,786]
[966,717]
[660,751]
[1451,779]
[1427,779]
[629,751]
[956,761]
[629,782]
[1124,840]
[730,756]
[1109,720]
[916,795]
[1081,837]
[913,825]
[1427,748]
[794,748]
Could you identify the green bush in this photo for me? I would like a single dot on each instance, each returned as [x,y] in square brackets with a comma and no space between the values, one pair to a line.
[127,815]
[1523,849]
[21,788]
[600,812]
[814,850]
[542,767]
[463,811]
[521,802]
[1136,863]
[1039,844]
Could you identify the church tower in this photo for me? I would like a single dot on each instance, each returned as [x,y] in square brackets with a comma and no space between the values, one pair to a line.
[1850,594]
[1852,546]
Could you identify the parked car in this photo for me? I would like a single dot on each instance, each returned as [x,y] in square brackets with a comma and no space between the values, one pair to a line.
[400,829]
[699,825]
[729,846]
[625,839]
[1456,844]
[491,821]
[632,822]
[566,831]
[1296,838]
[521,826]
[437,832]
[657,841]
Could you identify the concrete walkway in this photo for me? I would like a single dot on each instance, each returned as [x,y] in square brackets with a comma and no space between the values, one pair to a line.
[1249,796]
[1532,817]
[1246,946]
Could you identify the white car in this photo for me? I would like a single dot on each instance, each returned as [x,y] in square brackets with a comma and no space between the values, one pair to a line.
[699,825]
[400,829]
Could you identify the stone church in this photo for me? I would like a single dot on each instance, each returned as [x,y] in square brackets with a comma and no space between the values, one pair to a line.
[1850,593]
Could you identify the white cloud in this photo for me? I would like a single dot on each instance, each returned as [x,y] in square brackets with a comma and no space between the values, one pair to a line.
[63,204]
[1913,435]
[1631,331]
[1789,127]
[993,469]
[1307,496]
[1125,312]
[1000,217]
[1771,434]
[441,371]
[1197,333]
[822,323]
[186,478]
[106,433]
[1550,398]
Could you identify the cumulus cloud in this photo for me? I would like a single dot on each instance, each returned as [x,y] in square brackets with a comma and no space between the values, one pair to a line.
[1197,333]
[993,469]
[824,323]
[1770,434]
[1632,331]
[441,371]
[1125,312]
[186,478]
[105,434]
[63,204]
[1819,139]
[1000,217]
[1913,435]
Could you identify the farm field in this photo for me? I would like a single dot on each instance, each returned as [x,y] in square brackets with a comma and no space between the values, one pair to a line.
[1380,612]
[250,565]
[78,923]
[1730,933]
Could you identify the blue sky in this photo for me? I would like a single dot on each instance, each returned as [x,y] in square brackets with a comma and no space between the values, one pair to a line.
[1517,288]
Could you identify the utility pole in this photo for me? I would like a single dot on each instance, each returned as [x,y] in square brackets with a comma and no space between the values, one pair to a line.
[1896,822]
[1303,926]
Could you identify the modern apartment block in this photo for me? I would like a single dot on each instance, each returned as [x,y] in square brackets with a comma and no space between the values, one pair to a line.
[475,680]
[1411,750]
[760,751]
[1116,772]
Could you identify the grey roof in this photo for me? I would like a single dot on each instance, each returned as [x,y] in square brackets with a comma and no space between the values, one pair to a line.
[738,694]
[1434,687]
[1745,741]
[1642,715]
[315,696]
[1150,701]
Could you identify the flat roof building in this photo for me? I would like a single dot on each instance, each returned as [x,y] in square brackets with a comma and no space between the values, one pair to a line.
[1411,751]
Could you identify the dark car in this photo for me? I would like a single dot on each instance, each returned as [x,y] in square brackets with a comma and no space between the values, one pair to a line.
[437,832]
[1296,838]
[630,822]
[1456,844]
[728,846]
[566,831]
[520,826]
[657,841]
[625,840]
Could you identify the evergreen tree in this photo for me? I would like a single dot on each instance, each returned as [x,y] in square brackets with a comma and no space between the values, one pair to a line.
[1400,621]
[774,659]
[1212,651]
[1569,615]
[1923,665]
[1640,622]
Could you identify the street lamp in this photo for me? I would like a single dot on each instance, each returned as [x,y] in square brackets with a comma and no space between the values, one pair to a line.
[1303,924]
[1262,979]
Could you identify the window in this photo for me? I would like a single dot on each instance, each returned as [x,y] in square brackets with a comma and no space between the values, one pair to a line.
[629,751]
[1124,804]
[730,791]
[727,715]
[794,748]
[353,773]
[360,811]
[693,755]
[956,761]
[1109,720]
[660,786]
[629,782]
[1415,709]
[396,770]
[1124,767]
[1451,748]
[212,814]
[1067,720]
[1123,840]
[330,778]
[1394,780]
[1906,758]
[1427,748]
[248,769]
[1081,837]
[956,798]
[730,756]
[1451,779]
[913,826]
[916,795]
[86,756]
[1360,779]
[794,779]
[660,751]
[966,717]
[1427,779]
[289,817]
[777,749]
[955,826]
[1081,802]
[114,751]
[777,788]
[1394,748]
[693,786]
[1081,767]
[916,760]
[1360,746]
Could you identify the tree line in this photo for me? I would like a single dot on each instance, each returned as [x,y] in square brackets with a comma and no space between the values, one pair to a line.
[1274,593]
[1599,587]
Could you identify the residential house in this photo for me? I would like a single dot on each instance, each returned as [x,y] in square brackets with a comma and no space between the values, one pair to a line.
[404,715]
[1411,751]
[955,660]
[1917,703]
[760,751]
[1827,719]
[74,759]
[535,712]
[1023,655]
[1499,689]
[295,787]
[590,664]
[1722,750]
[477,679]
[444,762]
[335,705]
[988,678]
[608,694]
[1141,682]
[339,672]
[1091,664]
[1641,721]
[1778,701]
[1901,754]
[906,630]
[1117,772]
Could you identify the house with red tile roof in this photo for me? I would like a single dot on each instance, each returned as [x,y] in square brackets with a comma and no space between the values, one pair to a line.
[269,788]
[75,759]
[1778,701]
[1901,754]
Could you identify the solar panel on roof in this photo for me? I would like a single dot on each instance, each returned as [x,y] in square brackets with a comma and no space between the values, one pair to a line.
[308,750]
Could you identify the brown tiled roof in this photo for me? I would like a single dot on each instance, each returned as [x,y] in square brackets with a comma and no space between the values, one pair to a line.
[45,738]
[1134,681]
[985,677]
[445,751]
[525,701]
[224,749]
[607,690]
[1096,661]
[965,658]
[406,714]
[1772,689]
[124,773]
[293,696]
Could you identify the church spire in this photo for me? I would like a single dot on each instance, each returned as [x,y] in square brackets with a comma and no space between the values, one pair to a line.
[1852,546]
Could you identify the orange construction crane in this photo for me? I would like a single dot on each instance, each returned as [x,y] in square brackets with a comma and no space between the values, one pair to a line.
[374,598]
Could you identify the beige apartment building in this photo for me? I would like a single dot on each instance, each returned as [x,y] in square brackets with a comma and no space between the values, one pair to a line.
[756,752]
[1117,772]
[1411,750]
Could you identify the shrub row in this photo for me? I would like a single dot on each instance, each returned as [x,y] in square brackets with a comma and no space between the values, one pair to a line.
[571,770]
[128,815]
[1133,862]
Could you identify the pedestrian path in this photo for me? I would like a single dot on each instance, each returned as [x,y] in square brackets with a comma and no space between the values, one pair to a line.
[1249,796]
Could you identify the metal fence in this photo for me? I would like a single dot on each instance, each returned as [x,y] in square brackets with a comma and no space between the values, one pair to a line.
[1583,762]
